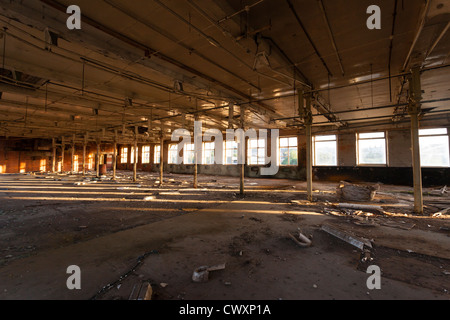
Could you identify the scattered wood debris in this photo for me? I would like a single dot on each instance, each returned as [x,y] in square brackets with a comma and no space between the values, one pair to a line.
[352,192]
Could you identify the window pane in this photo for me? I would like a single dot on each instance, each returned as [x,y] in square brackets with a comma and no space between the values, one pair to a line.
[325,138]
[284,142]
[434,151]
[293,157]
[431,132]
[325,153]
[372,151]
[371,135]
[284,156]
[293,142]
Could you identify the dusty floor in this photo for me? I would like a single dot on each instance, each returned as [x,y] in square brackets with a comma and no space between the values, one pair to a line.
[123,240]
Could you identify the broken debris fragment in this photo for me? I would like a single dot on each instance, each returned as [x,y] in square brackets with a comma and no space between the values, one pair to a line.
[301,240]
[353,240]
[352,192]
[201,274]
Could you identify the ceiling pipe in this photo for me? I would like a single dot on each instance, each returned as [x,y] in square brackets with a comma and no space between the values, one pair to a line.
[391,46]
[149,51]
[417,35]
[245,9]
[229,35]
[330,33]
[168,36]
[291,6]
[435,43]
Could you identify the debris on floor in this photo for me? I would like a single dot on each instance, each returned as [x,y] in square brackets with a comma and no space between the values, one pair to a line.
[352,192]
[201,274]
[301,240]
[358,242]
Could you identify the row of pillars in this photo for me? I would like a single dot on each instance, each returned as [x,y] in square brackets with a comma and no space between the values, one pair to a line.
[414,110]
[305,111]
[63,147]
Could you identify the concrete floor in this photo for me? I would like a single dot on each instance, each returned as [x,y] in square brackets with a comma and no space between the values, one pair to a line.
[49,222]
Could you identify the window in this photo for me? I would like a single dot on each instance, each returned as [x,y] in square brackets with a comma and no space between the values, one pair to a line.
[231,152]
[75,163]
[325,150]
[157,156]
[372,148]
[43,165]
[256,151]
[208,153]
[288,152]
[146,154]
[173,153]
[123,158]
[91,161]
[189,153]
[434,148]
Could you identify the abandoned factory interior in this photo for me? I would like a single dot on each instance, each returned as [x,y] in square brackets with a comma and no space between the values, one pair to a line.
[199,150]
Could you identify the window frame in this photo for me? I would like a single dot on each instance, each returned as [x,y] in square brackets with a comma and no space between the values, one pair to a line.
[172,150]
[146,154]
[422,135]
[123,155]
[279,147]
[249,148]
[314,152]
[187,151]
[386,149]
[234,148]
[157,154]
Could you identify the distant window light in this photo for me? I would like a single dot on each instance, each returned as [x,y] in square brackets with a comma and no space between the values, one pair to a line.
[42,165]
[325,150]
[208,153]
[231,152]
[256,154]
[173,154]
[434,148]
[146,154]
[157,155]
[189,153]
[288,151]
[372,148]
[123,157]
[75,163]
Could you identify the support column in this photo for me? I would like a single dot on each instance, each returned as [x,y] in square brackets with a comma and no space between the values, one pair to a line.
[414,110]
[161,159]
[63,147]
[115,155]
[72,154]
[98,159]
[54,155]
[197,146]
[243,155]
[306,113]
[84,155]
[136,157]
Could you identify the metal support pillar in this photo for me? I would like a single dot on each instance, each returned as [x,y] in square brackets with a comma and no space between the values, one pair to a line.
[53,155]
[197,146]
[97,157]
[161,159]
[115,156]
[72,156]
[414,110]
[306,113]
[63,147]
[242,156]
